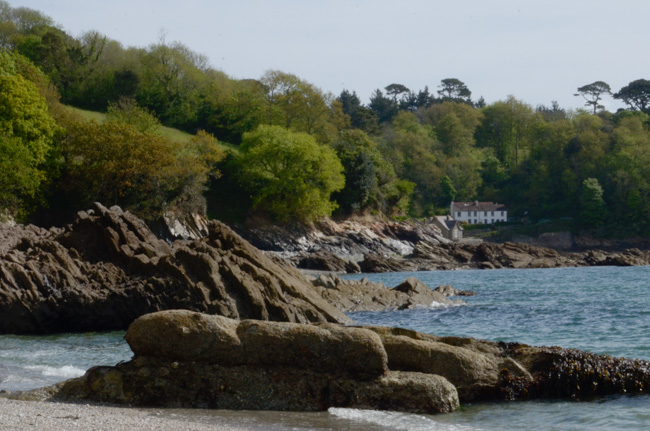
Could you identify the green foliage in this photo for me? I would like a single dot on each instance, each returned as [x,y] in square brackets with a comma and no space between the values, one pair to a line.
[507,129]
[27,131]
[593,93]
[289,174]
[20,177]
[403,151]
[370,181]
[636,95]
[448,192]
[592,206]
[127,111]
[383,107]
[146,173]
[452,89]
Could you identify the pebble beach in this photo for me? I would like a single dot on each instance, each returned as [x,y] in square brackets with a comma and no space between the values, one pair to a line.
[38,415]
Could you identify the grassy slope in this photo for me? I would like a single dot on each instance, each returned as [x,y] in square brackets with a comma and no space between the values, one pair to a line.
[168,132]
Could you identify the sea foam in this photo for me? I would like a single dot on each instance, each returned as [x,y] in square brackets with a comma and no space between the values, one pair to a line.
[396,421]
[66,371]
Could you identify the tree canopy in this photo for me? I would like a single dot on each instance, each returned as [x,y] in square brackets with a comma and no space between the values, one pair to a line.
[592,93]
[289,174]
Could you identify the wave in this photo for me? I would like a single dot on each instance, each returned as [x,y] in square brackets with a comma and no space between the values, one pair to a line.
[66,371]
[396,421]
[435,305]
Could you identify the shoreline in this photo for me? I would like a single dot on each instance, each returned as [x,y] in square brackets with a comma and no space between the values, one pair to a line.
[21,415]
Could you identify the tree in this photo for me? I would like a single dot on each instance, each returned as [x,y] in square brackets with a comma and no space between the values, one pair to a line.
[592,205]
[454,90]
[447,191]
[296,104]
[636,95]
[593,93]
[127,111]
[382,106]
[289,174]
[146,173]
[370,181]
[27,132]
[395,90]
[506,129]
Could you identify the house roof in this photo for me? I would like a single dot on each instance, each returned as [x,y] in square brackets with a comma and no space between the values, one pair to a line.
[477,206]
[449,222]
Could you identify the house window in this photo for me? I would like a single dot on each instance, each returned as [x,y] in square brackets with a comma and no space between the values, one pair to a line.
[502,213]
[474,213]
[458,214]
[492,213]
[485,212]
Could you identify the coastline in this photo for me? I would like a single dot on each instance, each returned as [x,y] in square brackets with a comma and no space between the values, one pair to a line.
[47,415]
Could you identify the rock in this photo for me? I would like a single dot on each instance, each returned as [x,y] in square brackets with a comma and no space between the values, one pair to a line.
[473,374]
[363,295]
[323,348]
[326,261]
[383,246]
[107,269]
[185,359]
[448,290]
[189,336]
[179,362]
[375,263]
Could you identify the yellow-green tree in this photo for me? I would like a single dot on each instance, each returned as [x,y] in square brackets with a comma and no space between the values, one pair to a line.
[26,136]
[289,174]
[116,164]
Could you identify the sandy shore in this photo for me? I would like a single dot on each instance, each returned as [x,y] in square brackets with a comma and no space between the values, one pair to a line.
[36,415]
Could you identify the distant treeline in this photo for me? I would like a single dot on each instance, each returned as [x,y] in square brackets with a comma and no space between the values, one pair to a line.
[281,147]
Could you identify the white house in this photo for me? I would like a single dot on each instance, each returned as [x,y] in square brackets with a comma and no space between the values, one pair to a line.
[478,212]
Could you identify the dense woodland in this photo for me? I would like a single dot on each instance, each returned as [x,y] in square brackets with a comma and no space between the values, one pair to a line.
[280,147]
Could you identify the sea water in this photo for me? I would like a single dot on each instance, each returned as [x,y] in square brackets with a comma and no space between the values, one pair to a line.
[605,310]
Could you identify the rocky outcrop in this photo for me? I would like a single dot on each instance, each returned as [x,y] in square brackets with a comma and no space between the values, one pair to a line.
[629,257]
[188,359]
[108,268]
[364,295]
[382,246]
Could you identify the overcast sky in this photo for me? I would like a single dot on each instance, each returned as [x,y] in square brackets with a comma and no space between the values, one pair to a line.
[538,51]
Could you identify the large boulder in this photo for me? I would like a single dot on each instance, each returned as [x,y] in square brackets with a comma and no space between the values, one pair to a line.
[188,336]
[107,268]
[186,359]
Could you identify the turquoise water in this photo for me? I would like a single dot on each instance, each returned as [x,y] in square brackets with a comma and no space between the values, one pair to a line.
[605,310]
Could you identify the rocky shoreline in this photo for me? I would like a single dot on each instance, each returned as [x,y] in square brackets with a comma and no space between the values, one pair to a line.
[371,246]
[185,359]
[216,323]
[107,268]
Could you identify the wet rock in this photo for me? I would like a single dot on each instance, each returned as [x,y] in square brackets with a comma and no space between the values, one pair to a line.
[448,290]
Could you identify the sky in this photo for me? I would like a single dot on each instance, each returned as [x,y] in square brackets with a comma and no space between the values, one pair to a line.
[537,51]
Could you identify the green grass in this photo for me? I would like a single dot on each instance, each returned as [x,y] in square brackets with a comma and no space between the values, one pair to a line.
[89,115]
[168,132]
